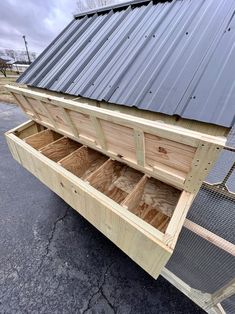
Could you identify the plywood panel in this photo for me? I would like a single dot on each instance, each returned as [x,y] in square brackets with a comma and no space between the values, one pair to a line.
[42,138]
[83,162]
[60,148]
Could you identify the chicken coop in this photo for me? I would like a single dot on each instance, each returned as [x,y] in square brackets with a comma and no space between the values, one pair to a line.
[131,111]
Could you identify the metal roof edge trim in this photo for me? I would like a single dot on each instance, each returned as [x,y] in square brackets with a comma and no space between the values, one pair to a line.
[119,6]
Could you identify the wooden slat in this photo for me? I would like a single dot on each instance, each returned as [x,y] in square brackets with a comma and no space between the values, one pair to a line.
[99,131]
[60,148]
[139,147]
[200,298]
[42,138]
[24,104]
[164,151]
[135,237]
[70,122]
[28,128]
[210,237]
[160,173]
[170,132]
[202,163]
[26,101]
[225,292]
[133,199]
[47,113]
[18,102]
[178,218]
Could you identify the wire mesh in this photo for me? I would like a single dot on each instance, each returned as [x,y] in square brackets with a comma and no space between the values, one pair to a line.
[196,261]
[228,305]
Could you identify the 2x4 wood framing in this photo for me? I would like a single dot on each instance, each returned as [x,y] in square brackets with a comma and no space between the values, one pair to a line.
[172,154]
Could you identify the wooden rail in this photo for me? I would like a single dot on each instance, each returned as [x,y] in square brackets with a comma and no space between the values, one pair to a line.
[172,154]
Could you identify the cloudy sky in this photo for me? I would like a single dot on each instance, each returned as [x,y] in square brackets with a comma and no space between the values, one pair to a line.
[39,20]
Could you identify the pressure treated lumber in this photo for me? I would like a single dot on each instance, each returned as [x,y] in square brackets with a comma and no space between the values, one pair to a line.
[119,225]
[29,131]
[43,138]
[210,236]
[83,161]
[174,155]
[59,148]
[202,299]
[143,202]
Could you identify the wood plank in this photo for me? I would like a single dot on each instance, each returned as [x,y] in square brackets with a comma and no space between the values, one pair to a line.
[169,150]
[41,139]
[59,148]
[14,95]
[202,163]
[22,128]
[133,199]
[225,292]
[128,178]
[25,105]
[154,202]
[105,175]
[24,132]
[160,172]
[25,102]
[83,162]
[210,236]
[206,128]
[139,147]
[47,113]
[99,132]
[126,230]
[153,216]
[171,154]
[170,132]
[178,218]
[216,309]
[201,298]
[70,122]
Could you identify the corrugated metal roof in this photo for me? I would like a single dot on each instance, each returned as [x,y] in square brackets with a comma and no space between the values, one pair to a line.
[176,58]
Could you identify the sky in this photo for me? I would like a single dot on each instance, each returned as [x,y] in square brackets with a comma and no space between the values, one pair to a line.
[39,20]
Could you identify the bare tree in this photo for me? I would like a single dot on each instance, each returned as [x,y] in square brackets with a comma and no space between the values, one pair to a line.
[33,56]
[3,67]
[10,53]
[84,5]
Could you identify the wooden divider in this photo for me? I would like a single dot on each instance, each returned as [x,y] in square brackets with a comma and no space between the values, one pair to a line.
[147,212]
[174,155]
[59,148]
[83,162]
[42,138]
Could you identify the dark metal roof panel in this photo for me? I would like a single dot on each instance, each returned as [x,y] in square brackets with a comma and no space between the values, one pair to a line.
[174,57]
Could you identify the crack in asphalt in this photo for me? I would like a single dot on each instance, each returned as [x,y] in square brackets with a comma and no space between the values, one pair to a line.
[101,292]
[23,282]
[50,239]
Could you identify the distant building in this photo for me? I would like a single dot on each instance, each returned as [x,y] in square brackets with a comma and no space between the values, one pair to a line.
[20,66]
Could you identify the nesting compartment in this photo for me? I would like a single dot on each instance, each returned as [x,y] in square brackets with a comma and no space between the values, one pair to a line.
[133,178]
[148,198]
[129,207]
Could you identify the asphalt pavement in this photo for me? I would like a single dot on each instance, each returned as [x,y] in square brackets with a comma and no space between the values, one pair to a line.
[53,261]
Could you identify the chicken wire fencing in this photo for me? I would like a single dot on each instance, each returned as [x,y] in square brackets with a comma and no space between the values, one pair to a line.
[198,262]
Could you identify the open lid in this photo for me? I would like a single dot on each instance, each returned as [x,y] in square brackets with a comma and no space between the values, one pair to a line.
[172,154]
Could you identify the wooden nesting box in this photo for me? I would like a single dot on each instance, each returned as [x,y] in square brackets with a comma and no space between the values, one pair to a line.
[132,178]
